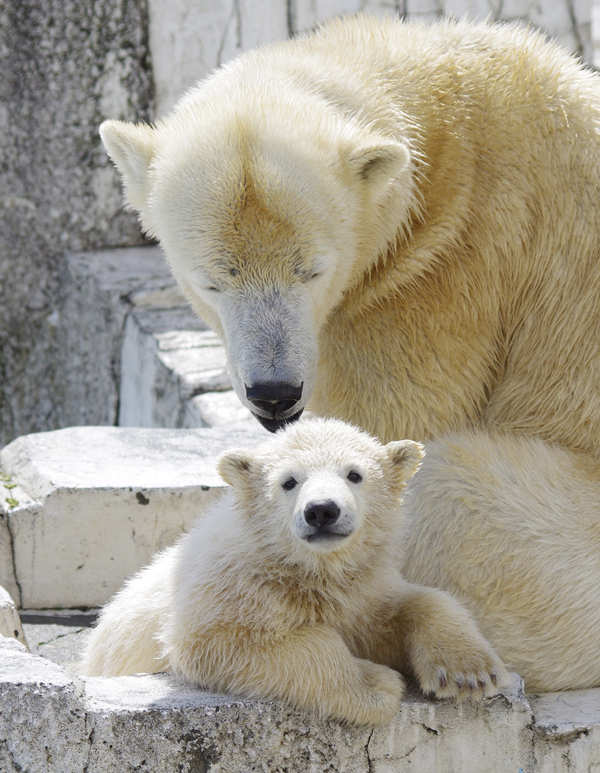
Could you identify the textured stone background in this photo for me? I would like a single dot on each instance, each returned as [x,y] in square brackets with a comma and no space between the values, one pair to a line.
[66,66]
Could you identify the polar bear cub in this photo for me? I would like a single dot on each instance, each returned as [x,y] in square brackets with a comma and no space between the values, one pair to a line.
[289,588]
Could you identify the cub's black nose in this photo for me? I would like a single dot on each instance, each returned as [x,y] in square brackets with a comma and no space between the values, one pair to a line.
[274,399]
[320,514]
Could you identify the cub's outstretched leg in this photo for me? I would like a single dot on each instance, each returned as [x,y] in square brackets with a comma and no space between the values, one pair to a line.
[125,641]
[426,632]
[309,668]
[445,650]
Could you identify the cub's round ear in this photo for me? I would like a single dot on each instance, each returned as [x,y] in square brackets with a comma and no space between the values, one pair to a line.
[132,147]
[405,456]
[235,466]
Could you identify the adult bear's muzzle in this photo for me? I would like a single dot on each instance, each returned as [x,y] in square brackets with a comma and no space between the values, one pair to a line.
[274,403]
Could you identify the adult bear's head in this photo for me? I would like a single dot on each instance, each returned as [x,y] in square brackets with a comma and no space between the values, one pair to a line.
[270,203]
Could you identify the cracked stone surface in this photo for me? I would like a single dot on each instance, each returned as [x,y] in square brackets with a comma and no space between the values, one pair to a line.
[54,721]
[158,722]
[562,714]
[59,722]
[42,715]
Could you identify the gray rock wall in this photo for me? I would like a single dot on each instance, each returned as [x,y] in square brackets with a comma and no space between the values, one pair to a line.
[66,65]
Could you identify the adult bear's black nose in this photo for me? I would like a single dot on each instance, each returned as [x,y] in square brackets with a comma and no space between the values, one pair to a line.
[320,514]
[275,399]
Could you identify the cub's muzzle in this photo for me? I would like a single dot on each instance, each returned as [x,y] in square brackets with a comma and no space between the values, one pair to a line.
[322,522]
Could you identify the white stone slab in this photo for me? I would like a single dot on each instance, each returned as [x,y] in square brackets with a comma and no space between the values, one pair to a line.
[562,714]
[567,726]
[149,393]
[174,374]
[306,14]
[197,357]
[11,501]
[220,410]
[7,570]
[10,622]
[189,38]
[263,22]
[102,501]
[167,358]
[100,290]
[42,715]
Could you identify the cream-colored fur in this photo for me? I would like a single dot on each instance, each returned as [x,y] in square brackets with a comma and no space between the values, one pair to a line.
[510,527]
[256,601]
[405,220]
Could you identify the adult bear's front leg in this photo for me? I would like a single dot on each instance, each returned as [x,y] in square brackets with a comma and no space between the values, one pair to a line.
[309,668]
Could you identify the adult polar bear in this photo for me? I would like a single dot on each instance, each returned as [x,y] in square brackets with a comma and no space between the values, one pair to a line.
[397,225]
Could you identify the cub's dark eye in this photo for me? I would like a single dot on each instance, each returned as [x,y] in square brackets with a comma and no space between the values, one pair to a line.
[354,477]
[290,484]
[213,289]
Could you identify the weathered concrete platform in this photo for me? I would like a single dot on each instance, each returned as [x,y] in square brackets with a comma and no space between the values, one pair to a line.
[54,722]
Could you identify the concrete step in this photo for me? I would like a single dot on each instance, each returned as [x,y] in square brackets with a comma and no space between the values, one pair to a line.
[55,722]
[88,506]
[138,353]
[100,290]
[59,635]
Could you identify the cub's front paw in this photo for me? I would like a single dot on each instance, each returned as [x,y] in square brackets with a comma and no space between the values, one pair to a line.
[376,699]
[466,667]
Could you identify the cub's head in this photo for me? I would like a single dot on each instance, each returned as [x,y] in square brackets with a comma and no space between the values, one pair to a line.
[321,487]
[271,201]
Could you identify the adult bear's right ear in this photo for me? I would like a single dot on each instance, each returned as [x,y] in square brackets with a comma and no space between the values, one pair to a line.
[131,147]
[377,163]
[236,467]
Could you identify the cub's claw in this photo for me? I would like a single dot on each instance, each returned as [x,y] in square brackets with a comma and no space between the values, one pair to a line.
[470,675]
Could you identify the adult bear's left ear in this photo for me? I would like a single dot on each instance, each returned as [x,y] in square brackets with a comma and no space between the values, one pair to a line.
[236,466]
[405,456]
